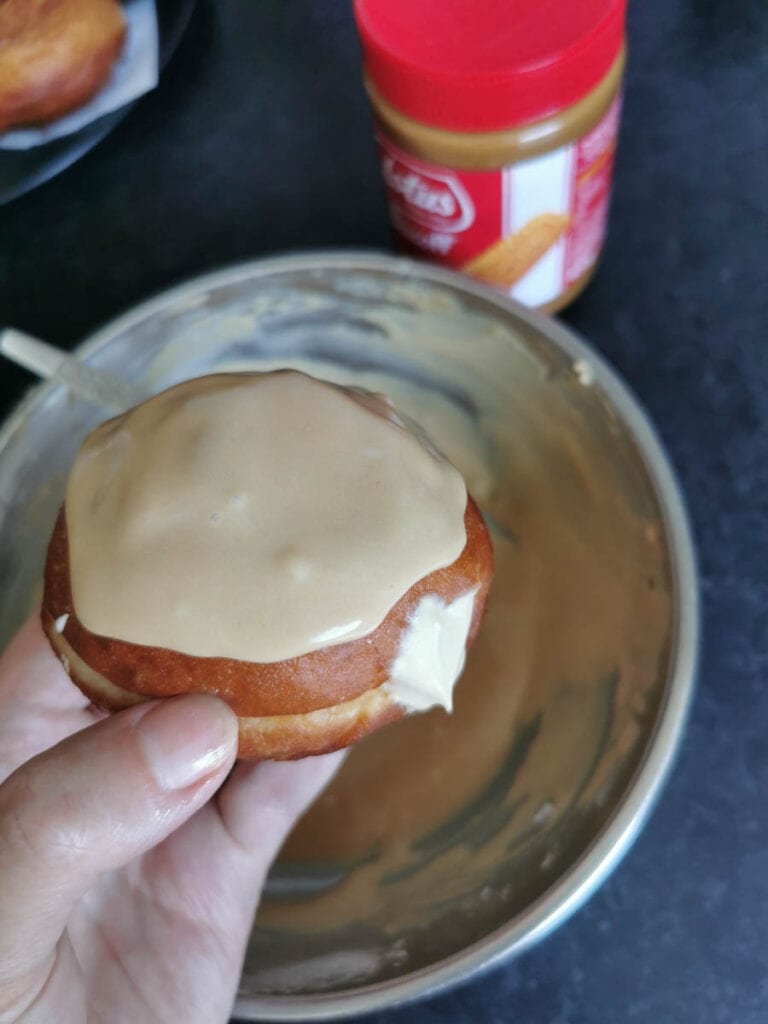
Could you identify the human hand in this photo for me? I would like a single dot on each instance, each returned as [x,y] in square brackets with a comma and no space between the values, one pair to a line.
[129,869]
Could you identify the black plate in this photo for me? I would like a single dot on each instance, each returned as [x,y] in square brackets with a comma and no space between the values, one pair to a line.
[23,170]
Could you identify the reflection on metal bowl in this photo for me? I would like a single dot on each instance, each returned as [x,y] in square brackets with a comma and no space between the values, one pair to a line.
[446,843]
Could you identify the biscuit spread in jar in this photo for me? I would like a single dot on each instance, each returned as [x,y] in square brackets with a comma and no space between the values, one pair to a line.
[496,126]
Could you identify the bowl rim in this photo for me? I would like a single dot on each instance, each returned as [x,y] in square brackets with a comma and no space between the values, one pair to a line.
[618,833]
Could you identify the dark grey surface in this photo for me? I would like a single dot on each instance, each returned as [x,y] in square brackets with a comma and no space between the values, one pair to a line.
[258,141]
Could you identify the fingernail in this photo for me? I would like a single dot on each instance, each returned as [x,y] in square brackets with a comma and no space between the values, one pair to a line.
[186,738]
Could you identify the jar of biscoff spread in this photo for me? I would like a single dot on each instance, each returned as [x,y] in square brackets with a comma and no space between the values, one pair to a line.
[496,122]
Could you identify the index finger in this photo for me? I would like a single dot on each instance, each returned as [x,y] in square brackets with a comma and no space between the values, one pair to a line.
[39,704]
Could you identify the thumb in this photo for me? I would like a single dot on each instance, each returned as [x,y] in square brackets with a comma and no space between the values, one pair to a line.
[94,802]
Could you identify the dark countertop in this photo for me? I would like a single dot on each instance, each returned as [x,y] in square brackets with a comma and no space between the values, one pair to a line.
[257,141]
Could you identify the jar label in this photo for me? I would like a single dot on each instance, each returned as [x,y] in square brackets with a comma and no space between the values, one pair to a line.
[531,229]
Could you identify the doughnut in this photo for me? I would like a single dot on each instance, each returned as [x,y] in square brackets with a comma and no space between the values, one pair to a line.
[54,56]
[301,680]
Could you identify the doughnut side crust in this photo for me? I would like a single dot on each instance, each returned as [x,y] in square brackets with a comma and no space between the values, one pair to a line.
[271,737]
[319,679]
[55,55]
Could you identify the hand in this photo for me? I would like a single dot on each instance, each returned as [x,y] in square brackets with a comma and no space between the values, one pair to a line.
[129,869]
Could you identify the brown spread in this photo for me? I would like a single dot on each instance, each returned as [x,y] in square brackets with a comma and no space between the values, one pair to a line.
[477,151]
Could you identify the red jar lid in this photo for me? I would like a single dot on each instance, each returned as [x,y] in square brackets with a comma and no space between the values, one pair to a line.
[486,65]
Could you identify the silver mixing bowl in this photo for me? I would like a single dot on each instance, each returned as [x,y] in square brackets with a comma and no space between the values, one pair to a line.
[585,753]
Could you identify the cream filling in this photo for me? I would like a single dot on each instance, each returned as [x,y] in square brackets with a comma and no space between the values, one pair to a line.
[73,663]
[430,657]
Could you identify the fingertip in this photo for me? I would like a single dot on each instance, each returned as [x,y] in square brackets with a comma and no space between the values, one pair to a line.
[186,739]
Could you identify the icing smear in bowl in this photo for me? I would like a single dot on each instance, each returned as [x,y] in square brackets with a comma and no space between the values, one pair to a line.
[447,841]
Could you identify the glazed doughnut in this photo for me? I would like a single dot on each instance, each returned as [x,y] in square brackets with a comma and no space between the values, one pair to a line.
[55,55]
[324,695]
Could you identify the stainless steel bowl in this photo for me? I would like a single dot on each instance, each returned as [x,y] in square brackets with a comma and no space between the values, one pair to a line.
[535,416]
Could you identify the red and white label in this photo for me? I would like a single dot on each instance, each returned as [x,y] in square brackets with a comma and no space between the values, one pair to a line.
[531,229]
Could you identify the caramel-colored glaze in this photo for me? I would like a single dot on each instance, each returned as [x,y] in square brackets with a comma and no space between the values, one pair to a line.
[255,516]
